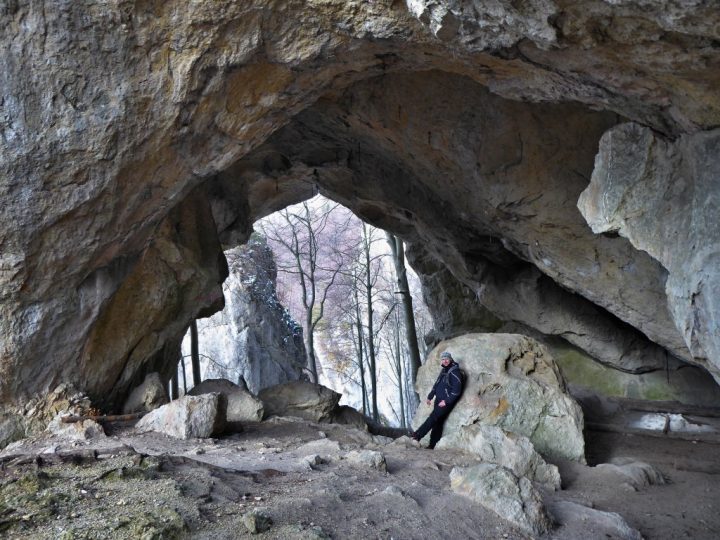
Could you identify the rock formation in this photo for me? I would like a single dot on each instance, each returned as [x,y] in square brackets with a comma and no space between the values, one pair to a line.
[514,384]
[303,399]
[139,140]
[253,338]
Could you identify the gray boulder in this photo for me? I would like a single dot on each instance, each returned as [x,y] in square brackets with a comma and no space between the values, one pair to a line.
[237,403]
[371,459]
[594,523]
[512,451]
[344,414]
[636,474]
[149,395]
[514,384]
[306,400]
[498,489]
[189,417]
[76,431]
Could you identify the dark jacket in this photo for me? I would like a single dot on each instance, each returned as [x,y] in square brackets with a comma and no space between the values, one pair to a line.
[448,385]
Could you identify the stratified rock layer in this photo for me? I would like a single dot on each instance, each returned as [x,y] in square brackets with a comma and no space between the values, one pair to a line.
[664,198]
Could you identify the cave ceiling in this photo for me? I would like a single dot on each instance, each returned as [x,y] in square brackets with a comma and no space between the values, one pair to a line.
[139,139]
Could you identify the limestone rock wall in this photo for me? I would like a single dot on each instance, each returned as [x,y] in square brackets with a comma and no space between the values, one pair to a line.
[665,198]
[253,337]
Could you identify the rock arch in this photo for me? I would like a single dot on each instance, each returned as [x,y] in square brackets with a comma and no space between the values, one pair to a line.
[139,139]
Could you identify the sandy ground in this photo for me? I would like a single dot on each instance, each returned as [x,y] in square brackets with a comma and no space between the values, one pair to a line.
[302,477]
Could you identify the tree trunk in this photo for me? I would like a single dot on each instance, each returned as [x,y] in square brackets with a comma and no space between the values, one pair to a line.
[182,367]
[174,390]
[371,333]
[399,370]
[310,346]
[398,252]
[195,353]
[359,348]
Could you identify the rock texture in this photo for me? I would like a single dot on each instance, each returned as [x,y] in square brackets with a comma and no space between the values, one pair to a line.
[593,522]
[514,452]
[497,489]
[254,338]
[239,404]
[149,395]
[512,383]
[663,197]
[189,417]
[300,398]
[136,139]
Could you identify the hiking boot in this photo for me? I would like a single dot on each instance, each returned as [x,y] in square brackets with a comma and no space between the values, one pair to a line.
[414,436]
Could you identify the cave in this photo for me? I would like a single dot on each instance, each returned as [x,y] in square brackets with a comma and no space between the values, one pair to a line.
[552,167]
[521,184]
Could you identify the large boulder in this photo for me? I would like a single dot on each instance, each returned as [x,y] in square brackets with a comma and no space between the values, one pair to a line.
[238,403]
[189,417]
[498,489]
[515,452]
[306,400]
[512,383]
[149,395]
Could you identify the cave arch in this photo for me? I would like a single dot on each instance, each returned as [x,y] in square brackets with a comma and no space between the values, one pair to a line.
[511,174]
[109,170]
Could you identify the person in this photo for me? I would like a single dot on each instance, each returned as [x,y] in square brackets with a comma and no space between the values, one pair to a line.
[446,391]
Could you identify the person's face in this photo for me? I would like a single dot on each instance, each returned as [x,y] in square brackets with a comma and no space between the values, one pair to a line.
[445,362]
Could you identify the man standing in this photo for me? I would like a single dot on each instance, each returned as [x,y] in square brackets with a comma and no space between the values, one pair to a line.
[446,391]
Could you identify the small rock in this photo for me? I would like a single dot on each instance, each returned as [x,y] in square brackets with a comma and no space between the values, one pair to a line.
[257,521]
[312,460]
[368,458]
[393,490]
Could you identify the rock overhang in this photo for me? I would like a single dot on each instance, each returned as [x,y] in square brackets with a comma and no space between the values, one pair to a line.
[93,167]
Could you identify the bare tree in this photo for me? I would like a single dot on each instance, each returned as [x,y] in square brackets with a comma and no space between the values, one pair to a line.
[398,257]
[303,237]
[195,353]
[393,341]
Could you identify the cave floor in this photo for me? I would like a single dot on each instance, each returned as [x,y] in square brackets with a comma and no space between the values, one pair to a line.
[298,473]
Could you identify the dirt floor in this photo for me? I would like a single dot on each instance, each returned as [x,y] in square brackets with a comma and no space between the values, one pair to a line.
[300,480]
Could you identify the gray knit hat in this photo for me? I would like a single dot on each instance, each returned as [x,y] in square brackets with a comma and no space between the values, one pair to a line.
[446,354]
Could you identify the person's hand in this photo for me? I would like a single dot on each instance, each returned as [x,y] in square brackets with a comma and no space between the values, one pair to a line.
[428,401]
[442,403]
